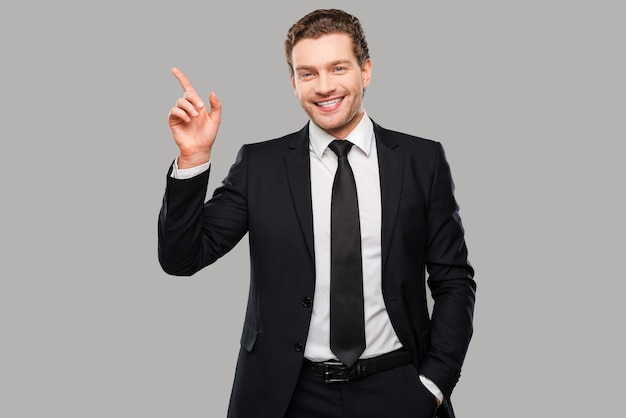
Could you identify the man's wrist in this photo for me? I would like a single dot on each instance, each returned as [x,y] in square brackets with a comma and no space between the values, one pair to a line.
[185,161]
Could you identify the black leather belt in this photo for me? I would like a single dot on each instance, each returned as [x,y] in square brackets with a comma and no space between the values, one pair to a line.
[336,371]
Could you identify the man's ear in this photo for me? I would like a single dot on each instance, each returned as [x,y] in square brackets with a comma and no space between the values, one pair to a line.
[366,73]
[293,84]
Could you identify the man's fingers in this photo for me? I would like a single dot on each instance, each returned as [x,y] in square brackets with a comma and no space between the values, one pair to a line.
[190,92]
[191,105]
[185,109]
[184,83]
[178,115]
[216,105]
[187,106]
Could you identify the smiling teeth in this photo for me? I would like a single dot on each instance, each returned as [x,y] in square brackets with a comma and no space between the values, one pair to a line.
[329,103]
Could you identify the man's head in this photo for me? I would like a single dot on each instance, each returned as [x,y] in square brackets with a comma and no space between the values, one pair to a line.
[330,68]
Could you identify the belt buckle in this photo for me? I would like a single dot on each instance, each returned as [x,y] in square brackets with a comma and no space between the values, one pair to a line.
[330,377]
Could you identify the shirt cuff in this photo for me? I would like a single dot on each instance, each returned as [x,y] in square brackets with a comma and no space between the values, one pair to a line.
[431,386]
[187,173]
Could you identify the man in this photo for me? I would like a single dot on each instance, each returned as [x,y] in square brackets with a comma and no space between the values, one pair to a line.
[293,361]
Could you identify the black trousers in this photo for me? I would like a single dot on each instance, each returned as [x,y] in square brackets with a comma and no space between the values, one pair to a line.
[396,393]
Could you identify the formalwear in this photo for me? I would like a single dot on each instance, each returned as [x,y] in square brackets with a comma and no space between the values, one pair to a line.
[267,195]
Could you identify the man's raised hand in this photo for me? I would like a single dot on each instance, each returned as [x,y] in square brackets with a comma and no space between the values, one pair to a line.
[193,126]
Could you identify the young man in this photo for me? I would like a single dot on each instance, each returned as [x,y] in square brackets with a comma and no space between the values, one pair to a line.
[389,357]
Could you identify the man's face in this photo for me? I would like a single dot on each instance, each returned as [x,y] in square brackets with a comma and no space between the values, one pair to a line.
[329,82]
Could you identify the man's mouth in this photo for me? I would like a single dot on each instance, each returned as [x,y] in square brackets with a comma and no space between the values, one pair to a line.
[329,103]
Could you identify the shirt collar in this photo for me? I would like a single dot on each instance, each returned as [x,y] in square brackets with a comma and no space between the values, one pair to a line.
[361,136]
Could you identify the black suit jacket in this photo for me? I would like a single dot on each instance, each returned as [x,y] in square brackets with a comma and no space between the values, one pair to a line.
[267,194]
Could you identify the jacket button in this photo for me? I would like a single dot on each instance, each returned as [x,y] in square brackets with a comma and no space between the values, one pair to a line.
[299,347]
[307,302]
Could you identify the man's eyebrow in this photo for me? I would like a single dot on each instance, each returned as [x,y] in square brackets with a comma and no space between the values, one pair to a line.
[329,64]
[339,62]
[303,67]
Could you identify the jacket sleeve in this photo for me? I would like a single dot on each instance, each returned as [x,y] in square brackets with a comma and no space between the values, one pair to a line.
[193,233]
[450,279]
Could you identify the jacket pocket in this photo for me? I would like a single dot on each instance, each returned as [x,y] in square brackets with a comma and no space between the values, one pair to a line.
[248,337]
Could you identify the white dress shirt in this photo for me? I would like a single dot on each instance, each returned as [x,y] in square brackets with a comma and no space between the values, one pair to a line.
[380,336]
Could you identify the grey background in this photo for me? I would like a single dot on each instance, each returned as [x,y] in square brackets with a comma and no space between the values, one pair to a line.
[527,98]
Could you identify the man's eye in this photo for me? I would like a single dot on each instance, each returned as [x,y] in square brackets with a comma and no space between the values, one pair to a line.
[305,75]
[339,69]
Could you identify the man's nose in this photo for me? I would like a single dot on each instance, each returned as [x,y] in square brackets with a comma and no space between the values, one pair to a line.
[325,84]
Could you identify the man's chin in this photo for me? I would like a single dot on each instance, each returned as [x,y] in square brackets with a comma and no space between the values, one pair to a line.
[326,122]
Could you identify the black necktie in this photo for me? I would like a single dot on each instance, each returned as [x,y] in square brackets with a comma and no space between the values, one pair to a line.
[347,323]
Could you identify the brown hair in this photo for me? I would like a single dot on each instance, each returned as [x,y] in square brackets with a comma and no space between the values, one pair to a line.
[324,21]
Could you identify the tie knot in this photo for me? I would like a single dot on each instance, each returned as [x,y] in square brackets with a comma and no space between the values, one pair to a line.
[341,147]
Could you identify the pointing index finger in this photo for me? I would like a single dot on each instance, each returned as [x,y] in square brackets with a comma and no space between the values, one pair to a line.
[185,84]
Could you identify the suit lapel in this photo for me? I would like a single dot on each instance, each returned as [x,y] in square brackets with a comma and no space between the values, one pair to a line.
[297,163]
[390,166]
